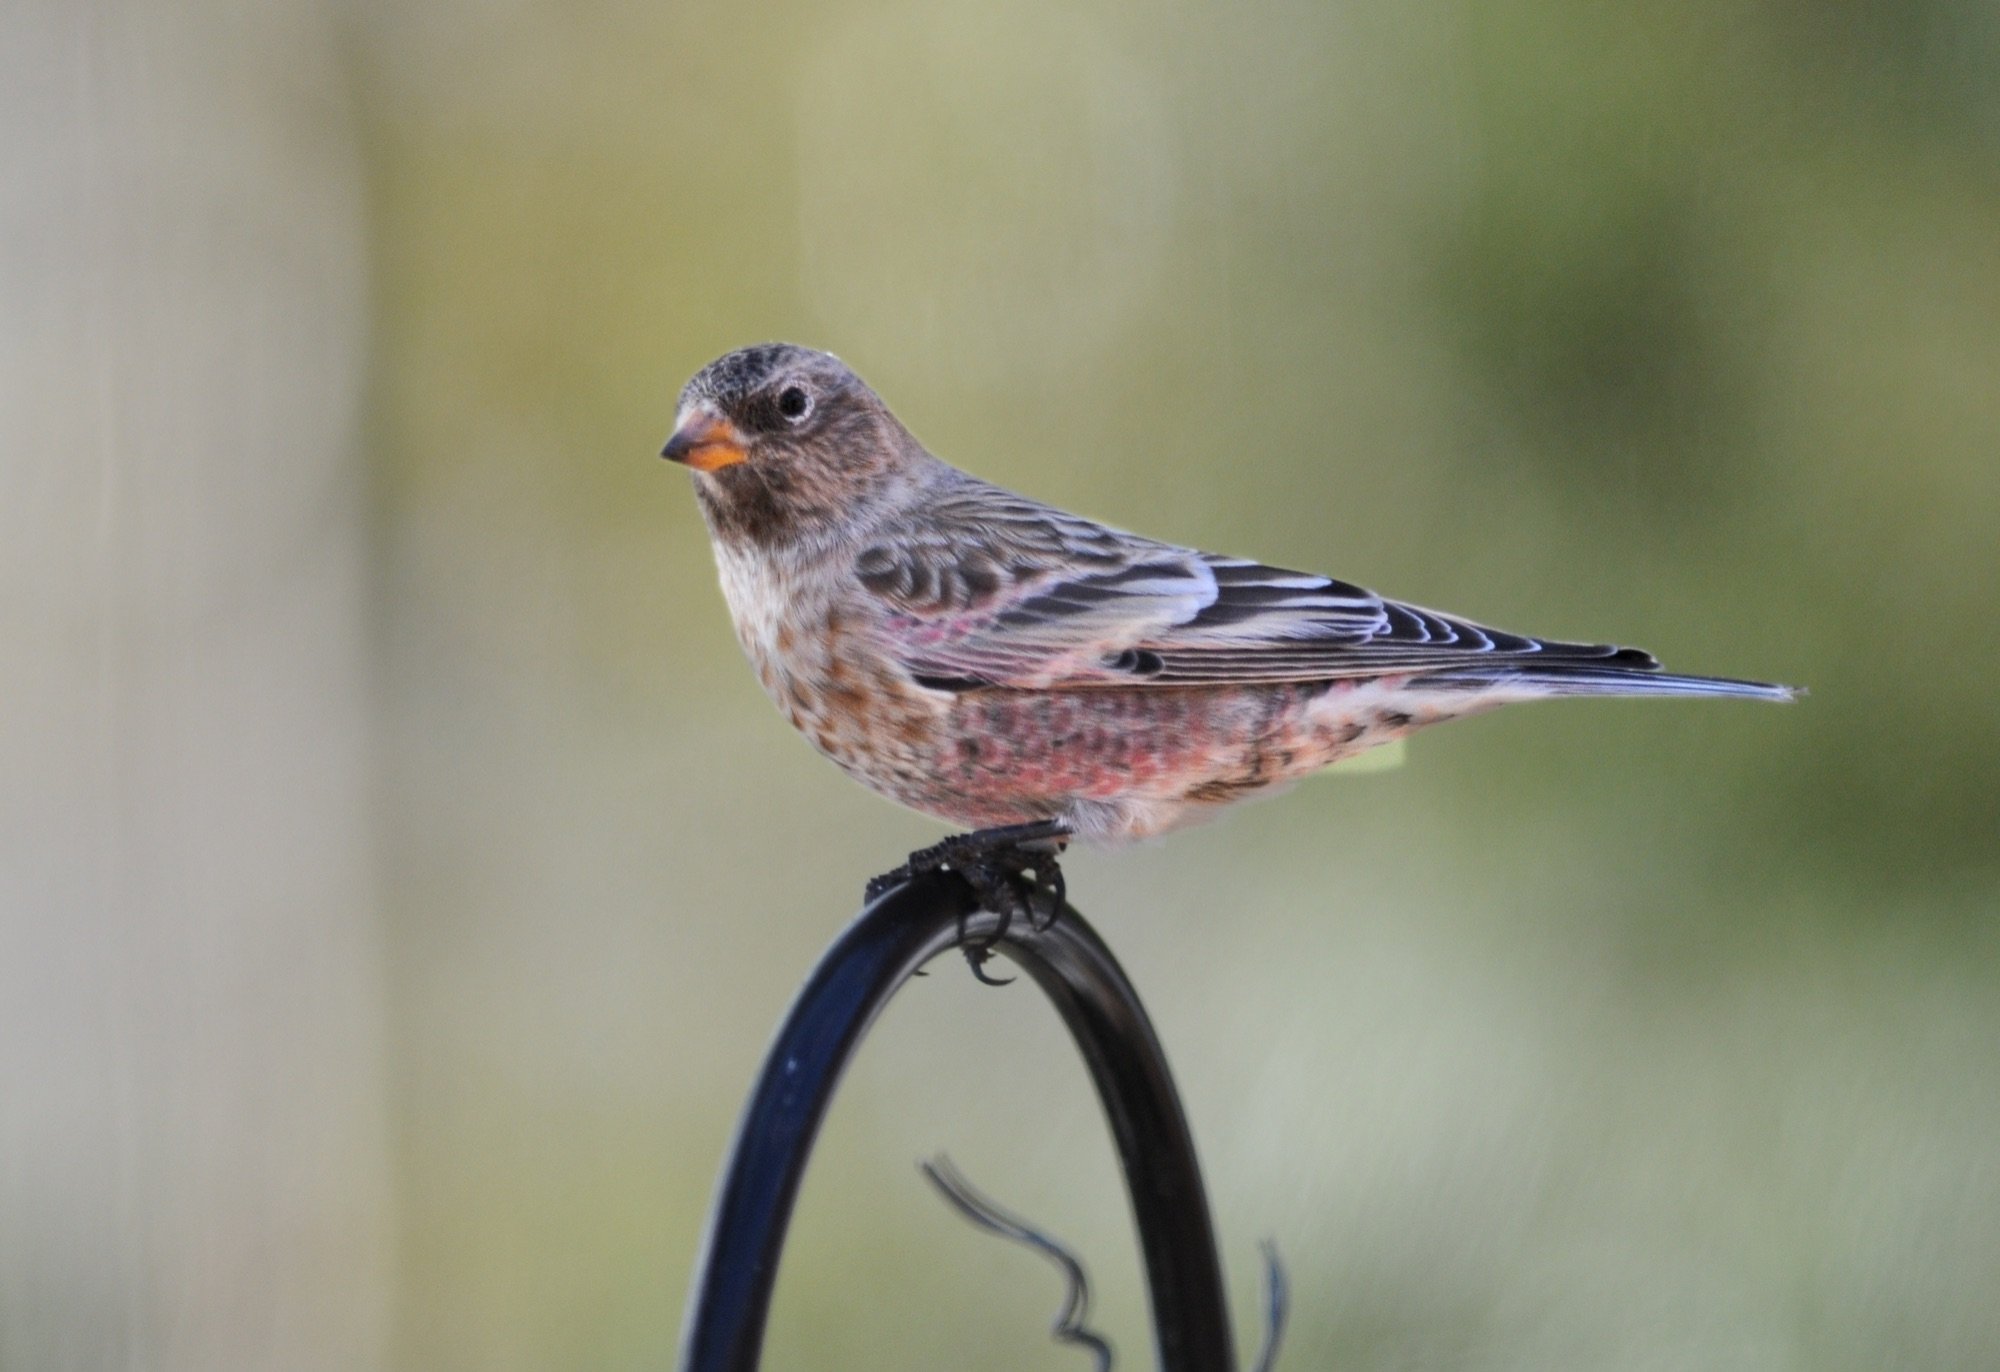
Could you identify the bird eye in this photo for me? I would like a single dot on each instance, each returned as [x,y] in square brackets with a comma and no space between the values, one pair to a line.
[794,404]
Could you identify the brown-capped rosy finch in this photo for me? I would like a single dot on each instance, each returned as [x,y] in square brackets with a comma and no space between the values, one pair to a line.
[1005,665]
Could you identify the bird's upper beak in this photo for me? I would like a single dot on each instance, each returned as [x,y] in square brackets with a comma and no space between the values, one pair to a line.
[705,441]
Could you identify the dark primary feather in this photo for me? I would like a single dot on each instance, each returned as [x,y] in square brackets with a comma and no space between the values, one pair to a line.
[989,587]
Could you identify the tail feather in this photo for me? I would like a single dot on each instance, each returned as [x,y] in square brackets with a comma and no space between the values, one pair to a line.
[1603,680]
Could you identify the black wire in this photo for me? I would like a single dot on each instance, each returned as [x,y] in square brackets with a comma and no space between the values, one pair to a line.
[1277,1306]
[1068,1325]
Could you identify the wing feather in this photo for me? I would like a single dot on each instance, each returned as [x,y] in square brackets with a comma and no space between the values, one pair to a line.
[984,587]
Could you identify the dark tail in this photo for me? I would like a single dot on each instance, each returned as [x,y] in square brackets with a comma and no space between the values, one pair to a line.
[1586,679]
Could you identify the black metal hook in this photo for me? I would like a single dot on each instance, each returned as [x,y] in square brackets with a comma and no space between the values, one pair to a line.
[1070,1325]
[896,934]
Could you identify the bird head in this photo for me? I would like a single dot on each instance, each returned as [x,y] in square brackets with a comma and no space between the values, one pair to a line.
[785,442]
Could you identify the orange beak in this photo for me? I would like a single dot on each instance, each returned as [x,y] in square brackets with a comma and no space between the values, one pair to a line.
[706,442]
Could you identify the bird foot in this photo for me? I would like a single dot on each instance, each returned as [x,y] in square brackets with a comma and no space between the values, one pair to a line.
[1012,869]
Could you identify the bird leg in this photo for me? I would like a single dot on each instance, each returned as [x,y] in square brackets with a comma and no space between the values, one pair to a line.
[1012,869]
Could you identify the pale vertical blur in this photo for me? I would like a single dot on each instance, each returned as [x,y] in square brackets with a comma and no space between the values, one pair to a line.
[194,1120]
[402,871]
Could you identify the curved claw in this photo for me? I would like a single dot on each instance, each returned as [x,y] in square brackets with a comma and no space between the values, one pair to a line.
[1048,881]
[976,956]
[997,894]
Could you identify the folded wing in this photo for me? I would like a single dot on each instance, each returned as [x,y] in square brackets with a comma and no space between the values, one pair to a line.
[991,589]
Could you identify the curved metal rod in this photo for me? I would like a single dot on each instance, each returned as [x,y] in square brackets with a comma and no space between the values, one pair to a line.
[1069,1324]
[730,1296]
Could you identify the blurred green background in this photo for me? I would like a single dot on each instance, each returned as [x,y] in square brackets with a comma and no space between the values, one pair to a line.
[400,872]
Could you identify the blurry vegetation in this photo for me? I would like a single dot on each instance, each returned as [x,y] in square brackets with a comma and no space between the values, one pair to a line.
[1647,1035]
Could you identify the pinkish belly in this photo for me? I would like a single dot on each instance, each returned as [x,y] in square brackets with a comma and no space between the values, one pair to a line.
[1003,757]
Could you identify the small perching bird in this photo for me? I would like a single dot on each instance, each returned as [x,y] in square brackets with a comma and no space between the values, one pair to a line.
[1011,667]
